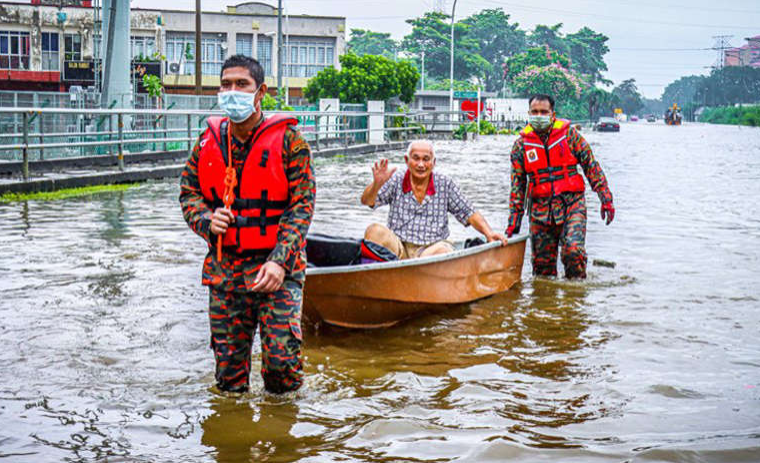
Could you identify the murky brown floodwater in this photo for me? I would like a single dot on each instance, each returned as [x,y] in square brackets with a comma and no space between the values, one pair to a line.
[104,333]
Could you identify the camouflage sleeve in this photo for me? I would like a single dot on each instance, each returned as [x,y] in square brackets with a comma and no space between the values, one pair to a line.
[518,182]
[296,219]
[194,207]
[591,167]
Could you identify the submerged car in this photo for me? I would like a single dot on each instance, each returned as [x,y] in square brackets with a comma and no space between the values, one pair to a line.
[651,118]
[607,124]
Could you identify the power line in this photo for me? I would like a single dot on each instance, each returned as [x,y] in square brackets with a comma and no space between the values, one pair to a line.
[721,45]
[606,17]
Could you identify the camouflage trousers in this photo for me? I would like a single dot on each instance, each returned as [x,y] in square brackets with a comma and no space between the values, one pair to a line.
[571,235]
[234,318]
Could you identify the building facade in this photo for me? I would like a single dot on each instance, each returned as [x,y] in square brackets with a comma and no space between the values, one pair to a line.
[46,47]
[746,55]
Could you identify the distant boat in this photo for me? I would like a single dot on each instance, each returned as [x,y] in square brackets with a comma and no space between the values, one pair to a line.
[673,115]
[383,294]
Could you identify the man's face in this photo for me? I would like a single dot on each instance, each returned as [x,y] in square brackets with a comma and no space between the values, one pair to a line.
[541,108]
[239,78]
[420,161]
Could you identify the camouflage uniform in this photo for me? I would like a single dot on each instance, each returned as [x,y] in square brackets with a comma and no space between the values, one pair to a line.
[234,309]
[557,219]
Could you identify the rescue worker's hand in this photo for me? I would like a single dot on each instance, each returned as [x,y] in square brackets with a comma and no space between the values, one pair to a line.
[381,173]
[608,212]
[493,236]
[269,278]
[220,220]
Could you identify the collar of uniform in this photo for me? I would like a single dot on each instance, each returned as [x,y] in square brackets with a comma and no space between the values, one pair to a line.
[406,184]
[242,144]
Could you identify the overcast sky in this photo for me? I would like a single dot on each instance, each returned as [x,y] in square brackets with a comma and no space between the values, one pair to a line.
[653,41]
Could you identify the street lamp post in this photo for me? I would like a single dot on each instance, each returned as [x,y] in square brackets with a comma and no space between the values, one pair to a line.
[451,64]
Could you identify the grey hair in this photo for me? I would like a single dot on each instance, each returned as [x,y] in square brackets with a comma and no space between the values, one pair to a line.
[429,143]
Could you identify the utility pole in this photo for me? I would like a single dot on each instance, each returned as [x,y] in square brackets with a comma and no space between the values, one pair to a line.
[279,47]
[721,45]
[198,49]
[423,70]
[451,65]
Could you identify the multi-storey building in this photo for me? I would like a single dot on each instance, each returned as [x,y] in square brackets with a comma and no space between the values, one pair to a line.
[54,44]
[747,55]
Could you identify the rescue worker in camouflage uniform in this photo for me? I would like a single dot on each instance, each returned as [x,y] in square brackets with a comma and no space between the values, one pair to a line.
[258,282]
[548,153]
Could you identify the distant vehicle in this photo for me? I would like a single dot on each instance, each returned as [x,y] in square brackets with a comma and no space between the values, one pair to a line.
[607,124]
[651,118]
[634,118]
[673,115]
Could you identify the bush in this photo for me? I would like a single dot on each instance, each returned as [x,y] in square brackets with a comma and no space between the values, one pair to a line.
[743,115]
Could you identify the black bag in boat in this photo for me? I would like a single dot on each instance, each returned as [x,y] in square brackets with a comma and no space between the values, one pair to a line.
[330,251]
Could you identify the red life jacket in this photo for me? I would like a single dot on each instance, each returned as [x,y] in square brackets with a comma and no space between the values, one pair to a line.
[262,192]
[552,166]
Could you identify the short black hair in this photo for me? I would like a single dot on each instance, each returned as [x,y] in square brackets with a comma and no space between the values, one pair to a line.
[541,97]
[242,61]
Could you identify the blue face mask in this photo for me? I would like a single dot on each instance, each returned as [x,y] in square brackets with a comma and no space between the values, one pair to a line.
[238,105]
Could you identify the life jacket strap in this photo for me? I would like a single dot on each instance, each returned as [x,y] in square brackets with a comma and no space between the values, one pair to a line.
[241,221]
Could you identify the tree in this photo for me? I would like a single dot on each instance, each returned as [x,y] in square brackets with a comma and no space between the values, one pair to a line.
[538,56]
[599,102]
[498,40]
[682,91]
[363,78]
[553,80]
[432,34]
[365,42]
[549,36]
[459,85]
[629,96]
[586,50]
[730,85]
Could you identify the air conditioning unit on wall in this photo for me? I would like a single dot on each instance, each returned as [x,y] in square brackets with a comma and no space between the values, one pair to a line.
[173,67]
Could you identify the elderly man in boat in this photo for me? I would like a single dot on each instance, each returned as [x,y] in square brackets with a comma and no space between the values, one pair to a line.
[420,201]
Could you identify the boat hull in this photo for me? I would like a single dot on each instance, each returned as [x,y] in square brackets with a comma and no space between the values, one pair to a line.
[381,295]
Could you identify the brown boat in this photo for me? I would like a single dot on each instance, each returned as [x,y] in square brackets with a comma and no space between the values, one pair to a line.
[379,295]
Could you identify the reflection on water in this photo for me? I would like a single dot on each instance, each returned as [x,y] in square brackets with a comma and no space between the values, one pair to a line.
[104,337]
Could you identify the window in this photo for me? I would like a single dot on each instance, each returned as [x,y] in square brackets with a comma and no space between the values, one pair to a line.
[308,55]
[50,51]
[180,48]
[14,50]
[72,47]
[142,47]
[264,54]
[244,44]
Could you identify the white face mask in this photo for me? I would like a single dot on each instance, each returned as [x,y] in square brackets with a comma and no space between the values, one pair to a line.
[540,123]
[238,105]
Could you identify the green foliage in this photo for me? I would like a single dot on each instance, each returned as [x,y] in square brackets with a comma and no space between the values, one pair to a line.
[629,97]
[497,40]
[539,56]
[552,80]
[508,132]
[364,42]
[365,78]
[741,115]
[64,193]
[153,85]
[459,85]
[599,102]
[549,37]
[586,50]
[486,128]
[432,34]
[729,86]
[271,103]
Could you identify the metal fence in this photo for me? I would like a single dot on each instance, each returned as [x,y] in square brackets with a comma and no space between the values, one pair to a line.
[38,133]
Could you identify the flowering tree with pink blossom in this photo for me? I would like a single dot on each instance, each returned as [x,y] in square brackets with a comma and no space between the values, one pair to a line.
[553,79]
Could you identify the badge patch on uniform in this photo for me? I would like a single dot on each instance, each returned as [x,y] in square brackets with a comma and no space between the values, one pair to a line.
[532,155]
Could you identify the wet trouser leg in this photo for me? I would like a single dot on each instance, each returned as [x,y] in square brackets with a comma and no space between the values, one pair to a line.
[573,241]
[233,318]
[544,240]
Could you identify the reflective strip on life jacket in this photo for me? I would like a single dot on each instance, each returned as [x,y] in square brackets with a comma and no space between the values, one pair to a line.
[262,194]
[552,166]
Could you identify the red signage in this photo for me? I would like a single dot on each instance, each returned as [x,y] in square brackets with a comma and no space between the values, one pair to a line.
[471,108]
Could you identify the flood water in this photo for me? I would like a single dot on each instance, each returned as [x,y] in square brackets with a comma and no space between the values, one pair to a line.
[104,334]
